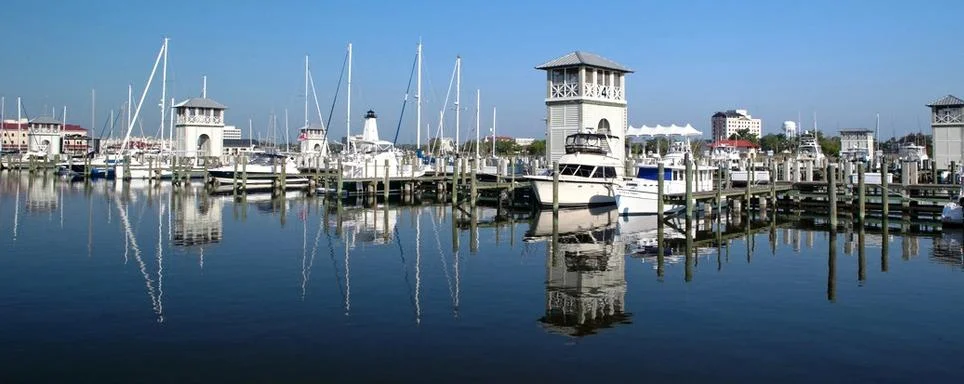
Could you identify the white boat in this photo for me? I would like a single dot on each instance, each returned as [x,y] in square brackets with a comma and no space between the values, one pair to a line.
[740,176]
[640,195]
[953,212]
[809,148]
[262,169]
[587,173]
[370,156]
[912,152]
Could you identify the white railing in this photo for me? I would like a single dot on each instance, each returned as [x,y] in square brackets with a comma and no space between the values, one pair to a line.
[607,92]
[564,90]
[206,120]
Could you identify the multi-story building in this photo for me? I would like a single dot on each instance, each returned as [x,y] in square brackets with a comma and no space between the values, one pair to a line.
[15,137]
[232,132]
[857,144]
[947,129]
[726,124]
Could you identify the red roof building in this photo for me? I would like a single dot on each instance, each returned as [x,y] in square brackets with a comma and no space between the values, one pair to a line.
[738,144]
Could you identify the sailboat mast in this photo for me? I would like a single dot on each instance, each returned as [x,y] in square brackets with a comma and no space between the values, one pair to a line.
[93,110]
[19,118]
[306,91]
[287,142]
[418,97]
[348,107]
[170,133]
[458,101]
[130,96]
[493,132]
[163,88]
[478,105]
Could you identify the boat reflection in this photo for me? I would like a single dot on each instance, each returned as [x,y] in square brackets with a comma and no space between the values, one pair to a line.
[585,271]
[949,248]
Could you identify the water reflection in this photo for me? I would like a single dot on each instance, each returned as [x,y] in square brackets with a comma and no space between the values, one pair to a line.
[585,271]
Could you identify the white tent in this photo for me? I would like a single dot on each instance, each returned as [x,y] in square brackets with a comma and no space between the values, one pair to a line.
[663,130]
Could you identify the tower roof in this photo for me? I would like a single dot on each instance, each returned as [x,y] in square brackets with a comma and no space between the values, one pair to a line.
[584,58]
[947,101]
[199,102]
[44,120]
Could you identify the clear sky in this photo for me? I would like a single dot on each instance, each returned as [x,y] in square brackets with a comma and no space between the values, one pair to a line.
[846,60]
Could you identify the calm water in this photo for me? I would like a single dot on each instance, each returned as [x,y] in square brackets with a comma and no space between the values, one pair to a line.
[111,284]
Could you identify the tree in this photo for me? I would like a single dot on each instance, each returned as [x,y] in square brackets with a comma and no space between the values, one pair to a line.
[830,146]
[537,148]
[744,134]
[775,143]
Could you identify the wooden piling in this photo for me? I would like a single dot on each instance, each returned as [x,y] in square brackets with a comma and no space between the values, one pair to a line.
[555,186]
[244,175]
[339,179]
[832,194]
[455,181]
[884,191]
[385,184]
[659,192]
[688,162]
[719,190]
[861,193]
[474,188]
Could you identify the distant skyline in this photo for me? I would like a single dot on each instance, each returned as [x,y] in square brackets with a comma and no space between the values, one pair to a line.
[846,61]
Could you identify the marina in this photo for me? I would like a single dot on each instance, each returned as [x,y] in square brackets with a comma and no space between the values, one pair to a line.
[170,267]
[465,192]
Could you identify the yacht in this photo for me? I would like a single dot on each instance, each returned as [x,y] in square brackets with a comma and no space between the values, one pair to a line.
[809,148]
[740,175]
[640,195]
[587,173]
[912,152]
[262,170]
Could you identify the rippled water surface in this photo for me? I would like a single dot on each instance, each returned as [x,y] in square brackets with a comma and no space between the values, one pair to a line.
[107,282]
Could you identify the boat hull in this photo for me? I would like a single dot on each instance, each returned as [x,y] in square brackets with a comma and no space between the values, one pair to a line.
[640,200]
[574,193]
[952,214]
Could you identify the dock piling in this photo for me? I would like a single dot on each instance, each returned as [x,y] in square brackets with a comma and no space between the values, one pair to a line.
[555,186]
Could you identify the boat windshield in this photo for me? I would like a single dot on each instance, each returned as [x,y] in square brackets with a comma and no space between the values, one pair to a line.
[584,170]
[587,143]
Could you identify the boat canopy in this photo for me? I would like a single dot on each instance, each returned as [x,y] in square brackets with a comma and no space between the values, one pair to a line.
[663,130]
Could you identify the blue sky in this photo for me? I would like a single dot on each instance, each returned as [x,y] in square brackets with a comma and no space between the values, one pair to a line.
[846,60]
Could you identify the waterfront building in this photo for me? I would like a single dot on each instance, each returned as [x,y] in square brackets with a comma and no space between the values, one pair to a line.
[857,144]
[231,132]
[947,130]
[584,91]
[728,123]
[524,141]
[199,127]
[69,138]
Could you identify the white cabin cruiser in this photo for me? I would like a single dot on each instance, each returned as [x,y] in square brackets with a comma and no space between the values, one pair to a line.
[587,173]
[640,195]
[809,148]
[262,169]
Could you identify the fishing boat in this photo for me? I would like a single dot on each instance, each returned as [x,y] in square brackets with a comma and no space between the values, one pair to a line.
[640,195]
[809,148]
[587,173]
